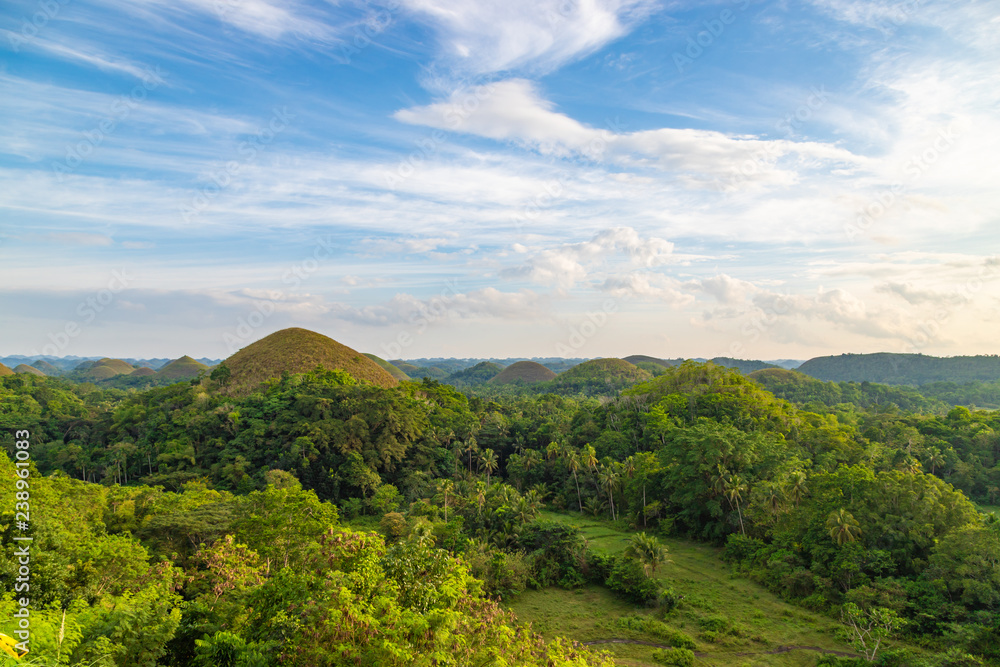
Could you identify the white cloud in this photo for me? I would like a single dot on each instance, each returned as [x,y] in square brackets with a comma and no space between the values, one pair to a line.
[571,263]
[514,111]
[539,35]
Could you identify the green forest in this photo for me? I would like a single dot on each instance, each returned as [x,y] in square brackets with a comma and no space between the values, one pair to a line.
[321,520]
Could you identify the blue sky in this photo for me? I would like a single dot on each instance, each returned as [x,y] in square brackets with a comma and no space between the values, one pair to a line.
[575,178]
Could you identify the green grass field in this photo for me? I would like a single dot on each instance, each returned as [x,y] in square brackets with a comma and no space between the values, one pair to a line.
[756,621]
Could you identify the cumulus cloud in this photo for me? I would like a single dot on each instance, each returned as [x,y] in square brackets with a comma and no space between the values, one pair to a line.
[486,303]
[571,263]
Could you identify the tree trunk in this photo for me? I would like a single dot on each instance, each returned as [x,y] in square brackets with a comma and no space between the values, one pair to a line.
[579,498]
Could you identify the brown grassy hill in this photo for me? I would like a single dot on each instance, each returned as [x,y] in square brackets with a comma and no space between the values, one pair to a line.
[184,368]
[104,369]
[30,370]
[142,372]
[524,371]
[5,370]
[392,370]
[298,351]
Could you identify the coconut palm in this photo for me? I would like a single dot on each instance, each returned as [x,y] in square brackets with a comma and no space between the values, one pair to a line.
[489,462]
[648,551]
[735,488]
[843,526]
[609,482]
[446,486]
[797,487]
[573,463]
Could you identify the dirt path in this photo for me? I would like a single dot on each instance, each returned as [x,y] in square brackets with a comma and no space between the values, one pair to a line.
[780,649]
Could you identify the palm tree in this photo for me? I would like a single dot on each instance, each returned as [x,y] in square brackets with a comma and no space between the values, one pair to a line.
[446,486]
[734,491]
[935,460]
[488,461]
[648,551]
[573,463]
[843,526]
[609,481]
[773,498]
[797,487]
[470,447]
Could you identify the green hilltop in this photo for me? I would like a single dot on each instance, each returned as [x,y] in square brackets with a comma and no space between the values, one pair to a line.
[4,370]
[528,372]
[47,368]
[599,376]
[30,370]
[102,369]
[184,368]
[911,369]
[298,350]
[392,370]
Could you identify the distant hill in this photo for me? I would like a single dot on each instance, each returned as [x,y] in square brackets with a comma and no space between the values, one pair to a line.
[909,369]
[600,376]
[142,372]
[4,370]
[46,367]
[392,370]
[419,372]
[527,372]
[30,370]
[184,368]
[803,389]
[742,365]
[479,374]
[102,369]
[298,351]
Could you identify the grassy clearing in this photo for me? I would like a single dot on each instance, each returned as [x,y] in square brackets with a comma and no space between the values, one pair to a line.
[994,509]
[724,614]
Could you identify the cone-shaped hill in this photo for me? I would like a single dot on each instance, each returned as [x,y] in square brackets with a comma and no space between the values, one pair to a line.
[5,370]
[601,375]
[298,351]
[528,372]
[392,370]
[30,370]
[184,368]
[142,372]
[46,367]
[103,369]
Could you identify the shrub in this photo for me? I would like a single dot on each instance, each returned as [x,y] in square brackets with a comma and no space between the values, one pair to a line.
[662,631]
[628,579]
[676,656]
[394,525]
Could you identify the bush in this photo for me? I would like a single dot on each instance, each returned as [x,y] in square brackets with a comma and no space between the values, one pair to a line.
[628,580]
[662,631]
[740,548]
[350,508]
[394,525]
[675,656]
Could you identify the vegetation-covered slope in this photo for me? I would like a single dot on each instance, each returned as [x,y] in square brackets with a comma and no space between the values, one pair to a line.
[911,369]
[297,351]
[4,370]
[392,370]
[481,373]
[598,376]
[523,371]
[46,367]
[184,368]
[101,369]
[856,514]
[30,370]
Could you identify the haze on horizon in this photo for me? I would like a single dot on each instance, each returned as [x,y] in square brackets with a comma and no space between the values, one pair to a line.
[423,178]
